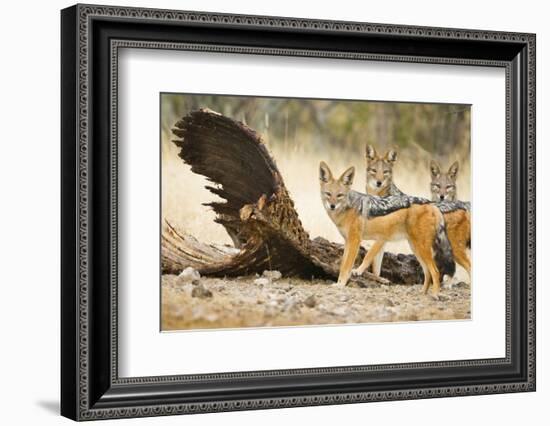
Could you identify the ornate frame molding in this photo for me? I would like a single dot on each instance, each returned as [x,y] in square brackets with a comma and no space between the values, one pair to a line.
[80,19]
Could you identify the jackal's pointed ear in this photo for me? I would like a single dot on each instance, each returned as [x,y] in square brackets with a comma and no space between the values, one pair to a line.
[347,176]
[434,169]
[391,156]
[453,170]
[371,153]
[325,175]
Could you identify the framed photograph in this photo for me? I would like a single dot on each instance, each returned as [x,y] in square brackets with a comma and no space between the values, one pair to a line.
[263,212]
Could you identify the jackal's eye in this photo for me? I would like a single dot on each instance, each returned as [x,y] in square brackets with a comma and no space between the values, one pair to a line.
[449,187]
[386,172]
[371,170]
[435,186]
[339,196]
[328,194]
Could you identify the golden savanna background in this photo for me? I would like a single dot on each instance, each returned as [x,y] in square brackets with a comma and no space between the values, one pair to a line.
[300,133]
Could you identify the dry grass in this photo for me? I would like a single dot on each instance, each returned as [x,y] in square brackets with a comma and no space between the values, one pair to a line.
[183,195]
[183,192]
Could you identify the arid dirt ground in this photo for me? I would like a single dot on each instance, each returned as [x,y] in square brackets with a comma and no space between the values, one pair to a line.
[259,301]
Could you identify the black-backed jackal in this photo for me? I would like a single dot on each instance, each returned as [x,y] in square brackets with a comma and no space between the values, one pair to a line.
[361,217]
[456,213]
[444,189]
[380,183]
[443,185]
[380,173]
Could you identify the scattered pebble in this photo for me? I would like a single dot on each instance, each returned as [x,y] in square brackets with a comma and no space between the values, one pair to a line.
[388,302]
[272,275]
[261,281]
[188,275]
[310,301]
[340,311]
[201,292]
[195,302]
[212,317]
[290,304]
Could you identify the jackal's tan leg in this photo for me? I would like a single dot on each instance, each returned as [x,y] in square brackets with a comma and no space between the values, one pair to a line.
[422,230]
[458,231]
[351,249]
[424,254]
[423,251]
[427,276]
[435,278]
[367,260]
[462,258]
[377,264]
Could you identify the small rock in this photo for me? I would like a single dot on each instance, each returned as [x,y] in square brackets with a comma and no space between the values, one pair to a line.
[211,317]
[310,301]
[261,281]
[383,313]
[344,298]
[198,312]
[388,302]
[188,275]
[321,307]
[340,311]
[290,304]
[272,275]
[201,292]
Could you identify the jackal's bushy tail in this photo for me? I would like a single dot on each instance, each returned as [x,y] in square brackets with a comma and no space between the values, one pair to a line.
[443,253]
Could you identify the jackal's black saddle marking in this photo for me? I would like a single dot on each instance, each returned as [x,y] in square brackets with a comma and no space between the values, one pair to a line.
[372,205]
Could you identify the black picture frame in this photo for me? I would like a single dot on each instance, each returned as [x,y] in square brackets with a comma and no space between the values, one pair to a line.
[90,386]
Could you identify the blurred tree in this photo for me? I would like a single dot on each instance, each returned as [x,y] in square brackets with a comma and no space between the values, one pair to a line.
[439,129]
